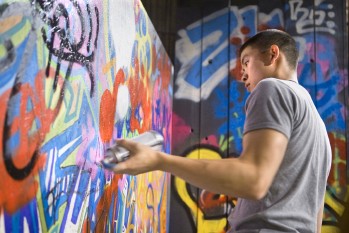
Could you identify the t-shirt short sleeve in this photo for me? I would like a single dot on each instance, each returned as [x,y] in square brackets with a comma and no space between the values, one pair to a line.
[270,106]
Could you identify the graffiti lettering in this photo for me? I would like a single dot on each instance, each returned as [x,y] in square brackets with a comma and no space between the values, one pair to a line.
[57,88]
[60,40]
[34,116]
[209,210]
[30,127]
[310,18]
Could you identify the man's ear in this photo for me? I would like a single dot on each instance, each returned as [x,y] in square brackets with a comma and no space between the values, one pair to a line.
[274,53]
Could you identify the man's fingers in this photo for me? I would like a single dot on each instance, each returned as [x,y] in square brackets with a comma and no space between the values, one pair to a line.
[118,168]
[123,168]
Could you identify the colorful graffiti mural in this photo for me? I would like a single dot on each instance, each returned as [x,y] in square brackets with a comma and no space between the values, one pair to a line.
[208,80]
[75,76]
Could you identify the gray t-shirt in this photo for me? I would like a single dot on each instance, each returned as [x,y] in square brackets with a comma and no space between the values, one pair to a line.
[296,194]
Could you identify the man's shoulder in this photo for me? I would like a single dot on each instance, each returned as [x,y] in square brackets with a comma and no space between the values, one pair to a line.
[275,82]
[278,86]
[270,86]
[277,91]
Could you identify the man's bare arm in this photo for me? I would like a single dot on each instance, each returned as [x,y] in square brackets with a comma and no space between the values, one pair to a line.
[248,176]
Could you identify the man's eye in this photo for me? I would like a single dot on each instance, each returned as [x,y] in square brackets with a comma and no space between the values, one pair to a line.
[246,62]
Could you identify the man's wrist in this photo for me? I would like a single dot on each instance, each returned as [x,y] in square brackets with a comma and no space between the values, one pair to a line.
[162,161]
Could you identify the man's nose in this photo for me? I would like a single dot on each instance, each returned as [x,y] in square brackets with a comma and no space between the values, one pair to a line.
[242,70]
[243,76]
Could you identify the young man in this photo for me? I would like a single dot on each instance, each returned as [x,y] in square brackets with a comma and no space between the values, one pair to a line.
[280,177]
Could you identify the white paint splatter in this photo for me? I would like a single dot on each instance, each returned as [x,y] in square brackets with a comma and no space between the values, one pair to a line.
[25,225]
[123,103]
[123,30]
[2,221]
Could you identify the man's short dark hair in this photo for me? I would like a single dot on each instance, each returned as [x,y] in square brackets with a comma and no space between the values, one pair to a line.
[264,39]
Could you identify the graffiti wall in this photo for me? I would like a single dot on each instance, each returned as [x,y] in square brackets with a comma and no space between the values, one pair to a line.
[209,99]
[74,76]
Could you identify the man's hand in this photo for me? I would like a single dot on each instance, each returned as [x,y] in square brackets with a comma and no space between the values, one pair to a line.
[142,158]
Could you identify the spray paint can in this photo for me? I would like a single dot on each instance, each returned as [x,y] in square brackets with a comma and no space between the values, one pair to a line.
[116,154]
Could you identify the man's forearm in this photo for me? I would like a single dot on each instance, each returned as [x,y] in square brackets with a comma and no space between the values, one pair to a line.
[232,176]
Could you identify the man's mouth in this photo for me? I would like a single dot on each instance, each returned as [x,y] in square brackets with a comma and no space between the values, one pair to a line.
[247,85]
